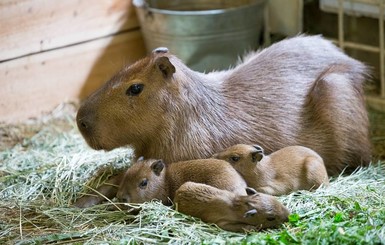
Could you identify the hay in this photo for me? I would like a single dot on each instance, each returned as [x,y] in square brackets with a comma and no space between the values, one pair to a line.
[46,165]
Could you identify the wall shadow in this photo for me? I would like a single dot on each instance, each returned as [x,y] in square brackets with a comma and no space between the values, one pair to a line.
[124,47]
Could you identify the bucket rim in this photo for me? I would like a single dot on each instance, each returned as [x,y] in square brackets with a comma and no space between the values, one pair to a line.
[143,5]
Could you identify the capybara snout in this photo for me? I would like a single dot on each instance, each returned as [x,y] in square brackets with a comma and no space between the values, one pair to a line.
[269,211]
[85,121]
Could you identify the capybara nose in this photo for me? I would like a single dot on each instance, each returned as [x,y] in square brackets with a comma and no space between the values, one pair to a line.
[122,197]
[84,122]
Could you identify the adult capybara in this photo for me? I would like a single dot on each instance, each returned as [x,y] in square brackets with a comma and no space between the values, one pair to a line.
[230,211]
[289,169]
[152,179]
[300,91]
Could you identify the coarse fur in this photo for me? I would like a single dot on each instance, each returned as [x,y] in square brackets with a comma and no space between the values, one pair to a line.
[230,211]
[289,169]
[299,91]
[152,179]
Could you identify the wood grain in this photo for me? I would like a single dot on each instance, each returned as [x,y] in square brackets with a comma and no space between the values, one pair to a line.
[37,83]
[31,26]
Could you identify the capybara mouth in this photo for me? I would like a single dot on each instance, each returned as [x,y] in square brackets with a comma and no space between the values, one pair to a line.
[86,126]
[94,144]
[96,147]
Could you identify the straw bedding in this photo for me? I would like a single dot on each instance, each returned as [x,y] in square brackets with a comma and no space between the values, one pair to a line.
[45,165]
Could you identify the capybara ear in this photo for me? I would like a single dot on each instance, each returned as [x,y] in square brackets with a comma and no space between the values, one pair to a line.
[141,158]
[259,149]
[250,191]
[157,167]
[256,156]
[160,50]
[165,66]
[251,212]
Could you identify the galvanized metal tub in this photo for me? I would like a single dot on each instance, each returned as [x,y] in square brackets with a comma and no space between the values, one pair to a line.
[206,34]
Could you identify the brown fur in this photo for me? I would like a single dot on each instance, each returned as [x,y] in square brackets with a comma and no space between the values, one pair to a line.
[164,179]
[289,169]
[300,91]
[228,210]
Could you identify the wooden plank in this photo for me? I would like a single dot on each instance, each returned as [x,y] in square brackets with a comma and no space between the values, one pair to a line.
[31,26]
[37,83]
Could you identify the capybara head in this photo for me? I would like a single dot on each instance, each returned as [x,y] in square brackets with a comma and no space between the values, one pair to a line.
[143,181]
[127,108]
[261,210]
[241,155]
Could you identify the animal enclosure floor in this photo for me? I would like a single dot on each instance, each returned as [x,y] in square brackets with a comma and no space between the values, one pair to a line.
[45,165]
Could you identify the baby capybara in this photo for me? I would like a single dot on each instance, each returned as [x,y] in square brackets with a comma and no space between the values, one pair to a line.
[300,91]
[230,211]
[152,179]
[289,169]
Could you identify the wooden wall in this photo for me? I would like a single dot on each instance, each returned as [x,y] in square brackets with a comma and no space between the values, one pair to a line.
[53,51]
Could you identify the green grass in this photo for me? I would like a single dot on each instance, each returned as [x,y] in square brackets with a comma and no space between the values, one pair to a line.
[45,165]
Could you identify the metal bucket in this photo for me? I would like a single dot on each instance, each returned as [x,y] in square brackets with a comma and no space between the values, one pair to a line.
[206,34]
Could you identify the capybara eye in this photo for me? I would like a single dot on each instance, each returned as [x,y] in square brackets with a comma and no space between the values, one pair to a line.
[135,89]
[143,184]
[234,158]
